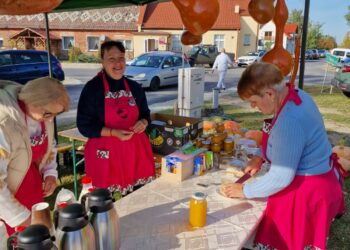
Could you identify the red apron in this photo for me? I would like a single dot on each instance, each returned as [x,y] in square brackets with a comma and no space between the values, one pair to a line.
[112,163]
[30,191]
[299,216]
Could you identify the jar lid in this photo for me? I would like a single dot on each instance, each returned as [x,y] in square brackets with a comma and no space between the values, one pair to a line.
[199,196]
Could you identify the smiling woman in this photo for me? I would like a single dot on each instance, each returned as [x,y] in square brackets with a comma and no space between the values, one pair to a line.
[113,113]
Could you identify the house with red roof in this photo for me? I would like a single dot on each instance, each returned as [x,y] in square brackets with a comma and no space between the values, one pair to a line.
[267,33]
[155,26]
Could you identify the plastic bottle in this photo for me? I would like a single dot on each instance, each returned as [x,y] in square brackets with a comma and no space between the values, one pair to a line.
[87,184]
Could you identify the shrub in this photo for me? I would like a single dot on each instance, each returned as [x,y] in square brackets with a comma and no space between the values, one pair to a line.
[88,59]
[73,54]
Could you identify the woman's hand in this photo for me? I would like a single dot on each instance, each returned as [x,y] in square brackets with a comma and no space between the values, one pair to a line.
[49,185]
[234,190]
[253,166]
[123,135]
[140,126]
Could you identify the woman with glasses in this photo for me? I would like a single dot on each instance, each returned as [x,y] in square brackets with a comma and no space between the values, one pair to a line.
[303,182]
[27,147]
[113,113]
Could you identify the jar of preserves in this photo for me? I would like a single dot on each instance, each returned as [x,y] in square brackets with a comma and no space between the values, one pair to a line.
[228,145]
[198,209]
[199,143]
[206,144]
[215,147]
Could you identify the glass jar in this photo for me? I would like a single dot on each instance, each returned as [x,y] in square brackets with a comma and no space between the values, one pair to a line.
[198,209]
[228,145]
[215,147]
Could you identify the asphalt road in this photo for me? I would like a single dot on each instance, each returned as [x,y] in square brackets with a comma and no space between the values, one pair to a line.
[78,74]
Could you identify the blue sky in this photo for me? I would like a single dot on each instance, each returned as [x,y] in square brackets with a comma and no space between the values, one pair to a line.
[330,13]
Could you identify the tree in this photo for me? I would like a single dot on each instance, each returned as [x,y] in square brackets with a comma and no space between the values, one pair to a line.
[314,35]
[347,16]
[296,16]
[346,41]
[327,42]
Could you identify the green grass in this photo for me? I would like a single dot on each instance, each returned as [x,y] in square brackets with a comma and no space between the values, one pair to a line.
[336,107]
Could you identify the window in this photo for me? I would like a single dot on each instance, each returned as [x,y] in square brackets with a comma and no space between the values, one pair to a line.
[27,58]
[93,43]
[268,35]
[1,42]
[5,59]
[219,41]
[246,41]
[67,42]
[177,61]
[128,45]
[176,43]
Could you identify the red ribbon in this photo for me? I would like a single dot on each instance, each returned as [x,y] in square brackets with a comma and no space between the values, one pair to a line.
[338,166]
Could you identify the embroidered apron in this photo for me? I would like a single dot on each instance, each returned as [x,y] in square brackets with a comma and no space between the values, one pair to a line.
[112,163]
[30,191]
[299,216]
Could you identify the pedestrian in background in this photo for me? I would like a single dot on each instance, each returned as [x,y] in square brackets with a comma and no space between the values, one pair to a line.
[222,62]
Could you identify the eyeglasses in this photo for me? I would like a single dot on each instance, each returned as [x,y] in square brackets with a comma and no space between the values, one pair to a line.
[47,114]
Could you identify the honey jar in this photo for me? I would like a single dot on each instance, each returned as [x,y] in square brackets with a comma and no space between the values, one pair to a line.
[206,144]
[198,210]
[220,127]
[215,147]
[199,142]
[228,145]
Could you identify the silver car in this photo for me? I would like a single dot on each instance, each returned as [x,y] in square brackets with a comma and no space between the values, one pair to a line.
[155,69]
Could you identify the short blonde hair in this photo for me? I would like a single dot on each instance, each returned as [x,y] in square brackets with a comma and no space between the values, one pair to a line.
[258,76]
[43,91]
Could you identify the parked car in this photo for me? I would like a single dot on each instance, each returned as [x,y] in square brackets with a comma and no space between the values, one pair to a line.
[309,55]
[341,53]
[203,54]
[315,54]
[250,58]
[342,80]
[24,65]
[156,69]
[322,53]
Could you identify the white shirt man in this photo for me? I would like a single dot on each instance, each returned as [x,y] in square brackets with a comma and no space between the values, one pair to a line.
[221,63]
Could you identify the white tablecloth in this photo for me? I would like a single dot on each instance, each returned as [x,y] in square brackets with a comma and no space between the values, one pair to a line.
[156,217]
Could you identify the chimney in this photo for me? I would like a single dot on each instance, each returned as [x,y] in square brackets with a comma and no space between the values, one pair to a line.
[237,9]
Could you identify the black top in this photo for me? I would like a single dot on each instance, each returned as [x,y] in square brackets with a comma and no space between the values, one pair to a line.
[90,116]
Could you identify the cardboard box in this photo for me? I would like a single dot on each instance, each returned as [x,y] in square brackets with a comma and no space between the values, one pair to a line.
[178,166]
[167,133]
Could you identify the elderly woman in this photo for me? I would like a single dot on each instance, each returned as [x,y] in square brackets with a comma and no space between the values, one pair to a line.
[302,186]
[27,154]
[113,113]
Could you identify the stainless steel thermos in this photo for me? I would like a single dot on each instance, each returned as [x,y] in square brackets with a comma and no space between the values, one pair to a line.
[33,237]
[73,230]
[104,219]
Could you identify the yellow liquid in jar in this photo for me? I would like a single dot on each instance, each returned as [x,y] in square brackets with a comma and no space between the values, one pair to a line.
[198,213]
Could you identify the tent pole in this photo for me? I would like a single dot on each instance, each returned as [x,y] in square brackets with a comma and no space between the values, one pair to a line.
[48,45]
[303,44]
[48,48]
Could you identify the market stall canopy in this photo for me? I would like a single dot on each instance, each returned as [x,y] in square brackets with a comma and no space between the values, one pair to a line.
[25,7]
[69,5]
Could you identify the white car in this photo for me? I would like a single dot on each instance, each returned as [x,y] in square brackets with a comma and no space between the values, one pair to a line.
[250,58]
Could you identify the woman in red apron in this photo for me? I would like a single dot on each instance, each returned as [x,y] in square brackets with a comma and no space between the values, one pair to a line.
[297,216]
[118,154]
[27,135]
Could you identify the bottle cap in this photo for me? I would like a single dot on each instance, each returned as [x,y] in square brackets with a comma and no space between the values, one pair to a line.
[86,180]
[199,196]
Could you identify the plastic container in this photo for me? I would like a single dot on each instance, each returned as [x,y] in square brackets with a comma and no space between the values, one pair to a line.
[198,210]
[86,182]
